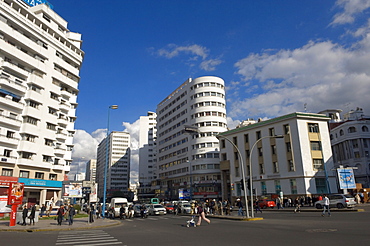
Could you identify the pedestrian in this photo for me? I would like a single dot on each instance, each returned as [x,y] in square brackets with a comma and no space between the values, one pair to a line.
[176,208]
[201,215]
[98,207]
[121,212]
[257,206]
[130,211]
[60,214]
[48,213]
[358,199]
[24,215]
[297,206]
[71,214]
[239,204]
[32,215]
[326,206]
[42,210]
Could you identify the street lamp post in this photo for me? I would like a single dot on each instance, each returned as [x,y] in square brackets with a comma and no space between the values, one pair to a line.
[250,167]
[243,173]
[106,160]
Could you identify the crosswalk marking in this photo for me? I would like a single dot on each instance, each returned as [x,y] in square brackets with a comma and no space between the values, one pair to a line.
[86,238]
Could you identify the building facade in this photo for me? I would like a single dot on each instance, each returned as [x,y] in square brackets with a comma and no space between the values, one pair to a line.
[350,139]
[297,163]
[188,162]
[147,155]
[91,170]
[40,61]
[117,155]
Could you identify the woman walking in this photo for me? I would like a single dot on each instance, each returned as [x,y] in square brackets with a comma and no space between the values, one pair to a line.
[201,215]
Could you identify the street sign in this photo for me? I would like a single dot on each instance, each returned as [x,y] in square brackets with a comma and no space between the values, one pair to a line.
[86,190]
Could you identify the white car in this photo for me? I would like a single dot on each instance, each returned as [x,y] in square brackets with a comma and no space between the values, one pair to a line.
[185,208]
[338,201]
[157,209]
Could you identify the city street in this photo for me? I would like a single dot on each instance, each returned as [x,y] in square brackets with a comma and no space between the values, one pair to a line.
[277,228]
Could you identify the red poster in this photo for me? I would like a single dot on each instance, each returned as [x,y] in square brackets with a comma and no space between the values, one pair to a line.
[15,196]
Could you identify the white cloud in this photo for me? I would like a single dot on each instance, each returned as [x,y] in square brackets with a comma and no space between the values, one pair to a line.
[133,129]
[173,50]
[198,54]
[350,9]
[210,65]
[321,74]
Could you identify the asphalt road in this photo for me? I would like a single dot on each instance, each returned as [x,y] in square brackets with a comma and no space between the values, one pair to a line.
[277,228]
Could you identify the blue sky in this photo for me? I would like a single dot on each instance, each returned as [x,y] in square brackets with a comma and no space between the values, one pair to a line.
[274,55]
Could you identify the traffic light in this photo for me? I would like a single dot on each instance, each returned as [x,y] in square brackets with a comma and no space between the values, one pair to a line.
[249,184]
[242,184]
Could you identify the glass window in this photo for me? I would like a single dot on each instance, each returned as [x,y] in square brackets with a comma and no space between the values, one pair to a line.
[24,174]
[313,127]
[7,172]
[315,145]
[277,187]
[318,164]
[293,186]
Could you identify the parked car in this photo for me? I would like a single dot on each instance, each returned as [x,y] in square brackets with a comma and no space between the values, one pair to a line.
[157,209]
[170,208]
[338,201]
[265,203]
[185,208]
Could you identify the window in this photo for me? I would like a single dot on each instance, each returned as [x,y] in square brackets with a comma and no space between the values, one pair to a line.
[7,152]
[223,144]
[291,166]
[26,155]
[313,127]
[355,143]
[35,88]
[236,156]
[52,176]
[352,129]
[277,187]
[28,137]
[49,142]
[39,175]
[318,164]
[223,157]
[341,132]
[24,174]
[288,147]
[258,135]
[260,153]
[315,145]
[263,188]
[365,129]
[30,120]
[47,158]
[262,168]
[52,111]
[275,167]
[235,141]
[246,138]
[272,132]
[273,149]
[7,172]
[54,96]
[293,186]
[286,129]
[10,134]
[50,126]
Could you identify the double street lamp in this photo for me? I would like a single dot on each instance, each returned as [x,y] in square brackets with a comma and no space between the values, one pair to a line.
[250,167]
[250,170]
[106,160]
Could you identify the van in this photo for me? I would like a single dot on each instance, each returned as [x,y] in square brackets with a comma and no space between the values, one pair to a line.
[116,203]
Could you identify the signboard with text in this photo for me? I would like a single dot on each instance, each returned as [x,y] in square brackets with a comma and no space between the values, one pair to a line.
[15,195]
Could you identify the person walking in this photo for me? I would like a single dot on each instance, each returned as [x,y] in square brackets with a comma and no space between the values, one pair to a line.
[201,215]
[49,210]
[24,215]
[60,214]
[32,215]
[239,204]
[326,206]
[71,214]
[256,204]
[122,212]
[42,210]
[297,206]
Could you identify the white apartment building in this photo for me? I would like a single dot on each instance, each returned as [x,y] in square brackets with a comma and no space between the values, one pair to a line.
[91,170]
[190,162]
[298,163]
[40,61]
[118,168]
[350,139]
[147,155]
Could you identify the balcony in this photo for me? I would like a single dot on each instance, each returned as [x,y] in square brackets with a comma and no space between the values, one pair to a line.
[16,68]
[64,107]
[59,151]
[8,83]
[8,100]
[58,167]
[63,120]
[60,135]
[10,121]
[9,140]
[8,159]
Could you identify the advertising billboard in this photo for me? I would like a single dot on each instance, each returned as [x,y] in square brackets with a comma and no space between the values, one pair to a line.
[73,190]
[15,195]
[346,178]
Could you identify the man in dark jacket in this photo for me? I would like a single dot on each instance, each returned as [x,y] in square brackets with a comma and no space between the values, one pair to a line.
[32,215]
[60,214]
[24,215]
[71,213]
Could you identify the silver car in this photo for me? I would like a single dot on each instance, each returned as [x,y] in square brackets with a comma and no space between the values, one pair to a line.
[338,201]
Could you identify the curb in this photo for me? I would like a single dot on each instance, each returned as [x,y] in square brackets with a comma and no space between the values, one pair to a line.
[63,229]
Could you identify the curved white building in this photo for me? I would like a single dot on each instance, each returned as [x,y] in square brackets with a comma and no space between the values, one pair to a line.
[189,162]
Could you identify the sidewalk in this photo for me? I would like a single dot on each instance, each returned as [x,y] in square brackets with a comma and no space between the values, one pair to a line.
[52,225]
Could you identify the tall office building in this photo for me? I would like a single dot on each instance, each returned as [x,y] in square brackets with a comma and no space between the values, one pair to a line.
[40,61]
[188,162]
[147,155]
[91,170]
[117,154]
